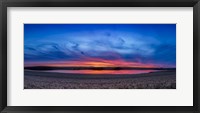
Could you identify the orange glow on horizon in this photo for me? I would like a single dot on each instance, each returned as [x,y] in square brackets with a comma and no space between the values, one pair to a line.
[92,62]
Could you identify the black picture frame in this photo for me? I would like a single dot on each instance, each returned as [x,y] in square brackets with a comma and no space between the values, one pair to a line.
[99,3]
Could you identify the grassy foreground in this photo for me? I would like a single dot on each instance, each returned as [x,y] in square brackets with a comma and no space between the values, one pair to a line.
[50,80]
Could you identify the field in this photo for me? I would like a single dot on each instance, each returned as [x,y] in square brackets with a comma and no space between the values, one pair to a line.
[50,80]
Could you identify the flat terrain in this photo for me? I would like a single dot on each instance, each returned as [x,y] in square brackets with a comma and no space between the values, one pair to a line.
[51,80]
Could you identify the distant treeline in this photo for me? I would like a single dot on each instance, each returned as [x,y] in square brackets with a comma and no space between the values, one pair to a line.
[93,68]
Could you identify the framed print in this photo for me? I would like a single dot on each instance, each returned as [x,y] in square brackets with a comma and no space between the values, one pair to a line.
[99,56]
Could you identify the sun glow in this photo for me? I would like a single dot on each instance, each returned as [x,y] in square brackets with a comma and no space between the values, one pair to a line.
[93,63]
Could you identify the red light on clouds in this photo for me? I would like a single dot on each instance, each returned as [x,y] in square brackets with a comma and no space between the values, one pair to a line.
[92,62]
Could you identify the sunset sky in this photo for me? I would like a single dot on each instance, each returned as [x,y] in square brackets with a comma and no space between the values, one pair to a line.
[100,45]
